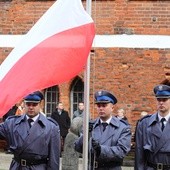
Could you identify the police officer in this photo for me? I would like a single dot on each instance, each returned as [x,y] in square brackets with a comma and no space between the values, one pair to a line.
[33,139]
[110,137]
[152,135]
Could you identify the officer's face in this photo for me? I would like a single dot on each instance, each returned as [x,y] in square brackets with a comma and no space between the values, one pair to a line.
[104,110]
[32,109]
[163,105]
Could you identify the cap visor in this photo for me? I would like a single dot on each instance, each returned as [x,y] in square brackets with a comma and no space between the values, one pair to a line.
[31,101]
[102,102]
[163,97]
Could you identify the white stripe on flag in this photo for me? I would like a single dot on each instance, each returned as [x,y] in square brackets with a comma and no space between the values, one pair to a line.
[54,51]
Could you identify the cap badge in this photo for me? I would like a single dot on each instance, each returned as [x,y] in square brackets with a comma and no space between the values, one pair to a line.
[160,88]
[100,93]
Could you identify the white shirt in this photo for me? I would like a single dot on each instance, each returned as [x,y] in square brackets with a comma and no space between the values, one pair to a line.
[166,118]
[34,119]
[108,121]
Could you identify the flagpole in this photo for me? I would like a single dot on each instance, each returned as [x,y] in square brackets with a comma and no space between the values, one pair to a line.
[86,102]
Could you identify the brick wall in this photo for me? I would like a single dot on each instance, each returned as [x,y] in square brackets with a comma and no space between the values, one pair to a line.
[111,17]
[132,17]
[130,73]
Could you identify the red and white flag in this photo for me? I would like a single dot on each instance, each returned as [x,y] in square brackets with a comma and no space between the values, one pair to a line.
[52,52]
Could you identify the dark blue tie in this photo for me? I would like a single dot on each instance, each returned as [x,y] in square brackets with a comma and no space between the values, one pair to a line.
[29,122]
[104,125]
[162,123]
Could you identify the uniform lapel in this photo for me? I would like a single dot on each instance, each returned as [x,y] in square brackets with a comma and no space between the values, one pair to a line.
[22,128]
[98,134]
[164,138]
[34,133]
[154,126]
[110,131]
[156,130]
[102,137]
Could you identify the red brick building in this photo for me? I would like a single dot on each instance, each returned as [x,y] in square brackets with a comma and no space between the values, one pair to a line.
[129,72]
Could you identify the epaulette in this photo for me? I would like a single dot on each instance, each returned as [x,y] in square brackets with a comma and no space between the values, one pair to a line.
[13,116]
[149,115]
[52,120]
[124,121]
[92,121]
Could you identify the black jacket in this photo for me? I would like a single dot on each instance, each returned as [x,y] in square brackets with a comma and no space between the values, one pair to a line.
[63,120]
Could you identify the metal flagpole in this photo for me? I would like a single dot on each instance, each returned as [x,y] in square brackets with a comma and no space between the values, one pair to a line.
[86,102]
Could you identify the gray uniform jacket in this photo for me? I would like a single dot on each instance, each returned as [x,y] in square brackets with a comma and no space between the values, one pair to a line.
[115,142]
[152,144]
[39,142]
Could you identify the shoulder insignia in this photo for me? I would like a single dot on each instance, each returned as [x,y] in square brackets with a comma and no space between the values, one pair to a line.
[52,120]
[13,116]
[147,116]
[124,121]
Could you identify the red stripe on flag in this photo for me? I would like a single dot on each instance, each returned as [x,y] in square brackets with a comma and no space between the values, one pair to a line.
[55,60]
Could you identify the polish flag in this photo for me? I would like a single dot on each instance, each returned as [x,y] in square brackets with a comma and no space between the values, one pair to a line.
[52,52]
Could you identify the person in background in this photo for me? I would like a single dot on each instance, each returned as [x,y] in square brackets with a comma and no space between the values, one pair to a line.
[166,82]
[61,116]
[33,139]
[121,114]
[20,109]
[11,112]
[152,134]
[110,139]
[143,113]
[70,158]
[80,111]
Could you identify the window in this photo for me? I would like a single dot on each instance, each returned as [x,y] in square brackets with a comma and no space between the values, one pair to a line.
[51,98]
[77,93]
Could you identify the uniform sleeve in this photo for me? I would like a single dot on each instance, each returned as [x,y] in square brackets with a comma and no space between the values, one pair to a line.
[139,152]
[79,144]
[3,131]
[54,149]
[119,150]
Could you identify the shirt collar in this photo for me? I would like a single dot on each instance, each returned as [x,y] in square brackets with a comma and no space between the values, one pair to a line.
[34,118]
[108,121]
[166,117]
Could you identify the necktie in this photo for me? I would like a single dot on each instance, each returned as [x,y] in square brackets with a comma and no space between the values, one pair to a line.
[104,125]
[29,122]
[162,123]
